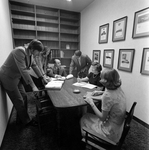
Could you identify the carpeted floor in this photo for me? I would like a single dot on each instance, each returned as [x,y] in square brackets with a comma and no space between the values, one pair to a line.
[69,138]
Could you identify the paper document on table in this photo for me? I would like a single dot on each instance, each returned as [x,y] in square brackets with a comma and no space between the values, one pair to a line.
[58,79]
[85,85]
[89,86]
[54,85]
[79,84]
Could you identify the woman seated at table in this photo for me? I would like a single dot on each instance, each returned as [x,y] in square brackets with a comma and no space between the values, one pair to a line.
[94,76]
[108,122]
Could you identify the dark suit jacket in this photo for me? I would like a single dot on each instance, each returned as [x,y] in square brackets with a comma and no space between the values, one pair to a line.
[51,72]
[75,67]
[16,66]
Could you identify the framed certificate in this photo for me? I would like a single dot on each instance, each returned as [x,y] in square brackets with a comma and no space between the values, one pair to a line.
[119,29]
[108,58]
[103,33]
[145,62]
[125,60]
[141,23]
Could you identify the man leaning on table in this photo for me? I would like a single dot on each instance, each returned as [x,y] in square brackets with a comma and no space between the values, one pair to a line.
[14,71]
[80,64]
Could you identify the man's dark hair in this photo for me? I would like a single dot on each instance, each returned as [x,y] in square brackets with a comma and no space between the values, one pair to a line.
[78,53]
[36,45]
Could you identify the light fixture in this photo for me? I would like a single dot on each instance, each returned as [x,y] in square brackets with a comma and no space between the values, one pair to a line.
[68,0]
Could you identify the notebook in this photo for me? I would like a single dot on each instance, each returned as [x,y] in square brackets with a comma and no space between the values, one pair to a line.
[54,85]
[85,85]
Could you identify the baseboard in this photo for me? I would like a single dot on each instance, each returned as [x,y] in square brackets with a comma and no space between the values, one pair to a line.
[141,122]
[7,126]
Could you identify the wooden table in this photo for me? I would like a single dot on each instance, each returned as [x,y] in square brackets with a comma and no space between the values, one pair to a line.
[65,97]
[69,108]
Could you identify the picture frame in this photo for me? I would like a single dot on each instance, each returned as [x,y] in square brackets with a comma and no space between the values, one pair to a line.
[96,56]
[125,59]
[141,23]
[145,62]
[108,58]
[103,33]
[119,29]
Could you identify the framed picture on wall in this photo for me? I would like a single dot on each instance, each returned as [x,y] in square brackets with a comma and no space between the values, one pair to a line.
[103,33]
[119,29]
[141,23]
[108,58]
[145,62]
[96,56]
[125,59]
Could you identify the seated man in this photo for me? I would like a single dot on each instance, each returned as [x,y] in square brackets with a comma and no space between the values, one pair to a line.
[57,70]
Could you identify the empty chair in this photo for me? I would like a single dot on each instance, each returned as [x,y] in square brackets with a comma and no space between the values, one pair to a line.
[43,107]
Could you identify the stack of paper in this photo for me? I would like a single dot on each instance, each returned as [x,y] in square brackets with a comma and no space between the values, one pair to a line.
[54,85]
[84,84]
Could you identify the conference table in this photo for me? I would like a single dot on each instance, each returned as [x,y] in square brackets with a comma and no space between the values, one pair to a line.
[66,98]
[68,105]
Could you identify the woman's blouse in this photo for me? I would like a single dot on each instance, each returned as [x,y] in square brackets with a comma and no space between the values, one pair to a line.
[94,79]
[114,102]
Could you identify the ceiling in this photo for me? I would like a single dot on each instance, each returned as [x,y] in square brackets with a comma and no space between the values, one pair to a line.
[74,5]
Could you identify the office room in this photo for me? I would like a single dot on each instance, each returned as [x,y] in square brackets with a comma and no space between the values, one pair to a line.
[92,20]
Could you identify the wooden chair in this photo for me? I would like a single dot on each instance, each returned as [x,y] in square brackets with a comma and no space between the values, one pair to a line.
[43,107]
[99,142]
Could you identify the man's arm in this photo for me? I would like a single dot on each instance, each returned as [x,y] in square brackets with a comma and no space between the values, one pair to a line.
[89,62]
[36,69]
[20,59]
[50,72]
[39,63]
[64,72]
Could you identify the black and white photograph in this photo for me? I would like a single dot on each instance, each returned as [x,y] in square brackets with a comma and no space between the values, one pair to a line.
[74,75]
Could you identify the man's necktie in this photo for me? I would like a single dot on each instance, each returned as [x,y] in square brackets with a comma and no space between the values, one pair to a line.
[58,71]
[79,59]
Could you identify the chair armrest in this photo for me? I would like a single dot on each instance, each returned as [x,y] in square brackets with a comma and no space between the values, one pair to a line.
[100,137]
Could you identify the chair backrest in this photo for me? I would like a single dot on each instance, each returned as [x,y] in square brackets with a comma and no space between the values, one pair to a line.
[127,125]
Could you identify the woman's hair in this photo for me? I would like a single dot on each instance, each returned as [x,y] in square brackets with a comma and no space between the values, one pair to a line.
[98,66]
[78,53]
[35,45]
[45,50]
[110,79]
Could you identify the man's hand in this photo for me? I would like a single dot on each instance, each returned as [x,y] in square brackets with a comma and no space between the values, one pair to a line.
[35,91]
[84,69]
[79,80]
[58,76]
[44,80]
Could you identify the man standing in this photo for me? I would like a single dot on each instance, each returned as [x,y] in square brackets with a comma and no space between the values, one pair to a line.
[14,71]
[79,65]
